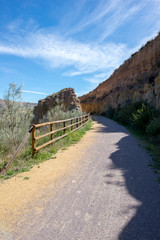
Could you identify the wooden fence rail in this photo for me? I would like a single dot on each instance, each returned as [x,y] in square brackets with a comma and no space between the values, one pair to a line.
[71,124]
[74,124]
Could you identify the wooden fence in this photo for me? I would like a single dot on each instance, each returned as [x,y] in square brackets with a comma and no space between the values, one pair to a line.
[69,126]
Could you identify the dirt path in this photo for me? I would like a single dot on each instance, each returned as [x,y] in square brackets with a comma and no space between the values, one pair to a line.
[100,188]
[18,194]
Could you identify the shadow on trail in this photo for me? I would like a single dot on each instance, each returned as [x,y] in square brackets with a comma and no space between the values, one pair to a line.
[140,182]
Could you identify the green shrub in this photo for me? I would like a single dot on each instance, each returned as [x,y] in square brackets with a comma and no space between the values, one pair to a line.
[59,113]
[153,128]
[139,115]
[124,115]
[110,112]
[143,116]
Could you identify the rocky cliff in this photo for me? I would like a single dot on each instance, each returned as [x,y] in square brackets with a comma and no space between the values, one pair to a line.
[67,97]
[136,79]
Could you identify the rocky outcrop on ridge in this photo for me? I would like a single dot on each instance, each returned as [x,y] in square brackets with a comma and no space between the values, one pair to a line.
[67,97]
[137,79]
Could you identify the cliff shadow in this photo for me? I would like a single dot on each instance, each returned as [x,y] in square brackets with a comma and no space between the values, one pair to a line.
[140,182]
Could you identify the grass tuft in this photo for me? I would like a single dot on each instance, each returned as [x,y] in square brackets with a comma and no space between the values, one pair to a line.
[26,178]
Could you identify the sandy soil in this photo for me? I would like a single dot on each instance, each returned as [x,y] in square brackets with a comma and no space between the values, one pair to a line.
[18,194]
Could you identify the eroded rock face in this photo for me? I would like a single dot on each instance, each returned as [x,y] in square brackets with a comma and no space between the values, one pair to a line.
[67,97]
[137,79]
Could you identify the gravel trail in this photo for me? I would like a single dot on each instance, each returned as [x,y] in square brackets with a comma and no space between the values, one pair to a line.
[111,194]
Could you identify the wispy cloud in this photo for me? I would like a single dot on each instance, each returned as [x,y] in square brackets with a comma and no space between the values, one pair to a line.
[117,19]
[96,15]
[106,17]
[83,57]
[143,41]
[22,27]
[55,52]
[98,78]
[6,69]
[28,91]
[81,93]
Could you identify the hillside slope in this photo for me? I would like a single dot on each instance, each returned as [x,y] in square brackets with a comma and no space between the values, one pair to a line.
[136,79]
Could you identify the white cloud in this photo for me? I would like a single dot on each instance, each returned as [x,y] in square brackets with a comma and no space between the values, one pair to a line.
[81,93]
[96,15]
[143,42]
[58,52]
[21,26]
[117,19]
[106,17]
[27,91]
[72,73]
[98,78]
[6,70]
[84,58]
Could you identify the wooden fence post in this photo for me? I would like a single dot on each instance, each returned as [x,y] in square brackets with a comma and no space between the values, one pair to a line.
[33,141]
[51,129]
[83,119]
[64,124]
[71,124]
[77,122]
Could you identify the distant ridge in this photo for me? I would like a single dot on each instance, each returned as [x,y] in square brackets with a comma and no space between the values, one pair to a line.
[25,104]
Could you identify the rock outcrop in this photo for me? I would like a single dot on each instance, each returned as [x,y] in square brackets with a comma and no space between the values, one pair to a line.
[138,79]
[67,97]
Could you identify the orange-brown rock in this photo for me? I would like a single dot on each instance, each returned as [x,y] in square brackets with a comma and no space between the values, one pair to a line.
[137,79]
[65,97]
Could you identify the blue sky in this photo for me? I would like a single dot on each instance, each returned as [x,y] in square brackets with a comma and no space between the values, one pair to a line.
[47,45]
